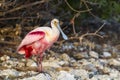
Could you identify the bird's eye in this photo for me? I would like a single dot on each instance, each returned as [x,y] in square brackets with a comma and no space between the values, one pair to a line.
[55,22]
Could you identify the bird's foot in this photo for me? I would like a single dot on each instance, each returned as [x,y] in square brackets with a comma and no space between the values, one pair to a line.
[43,72]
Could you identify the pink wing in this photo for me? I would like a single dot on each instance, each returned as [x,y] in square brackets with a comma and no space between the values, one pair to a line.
[31,37]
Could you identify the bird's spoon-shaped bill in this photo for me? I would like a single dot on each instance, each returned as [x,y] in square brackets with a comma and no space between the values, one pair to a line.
[63,34]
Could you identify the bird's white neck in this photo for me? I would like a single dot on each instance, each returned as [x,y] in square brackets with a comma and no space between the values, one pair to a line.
[55,33]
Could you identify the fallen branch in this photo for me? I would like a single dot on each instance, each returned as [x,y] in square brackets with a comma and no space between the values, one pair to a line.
[91,34]
[8,43]
[12,18]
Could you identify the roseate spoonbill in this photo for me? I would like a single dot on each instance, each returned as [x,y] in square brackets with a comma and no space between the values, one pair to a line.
[40,39]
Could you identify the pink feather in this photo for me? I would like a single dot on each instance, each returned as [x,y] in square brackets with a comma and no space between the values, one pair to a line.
[31,37]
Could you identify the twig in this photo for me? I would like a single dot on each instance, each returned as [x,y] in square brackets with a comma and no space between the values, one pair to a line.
[88,7]
[11,18]
[99,28]
[75,9]
[91,34]
[73,22]
[8,43]
[76,15]
[25,6]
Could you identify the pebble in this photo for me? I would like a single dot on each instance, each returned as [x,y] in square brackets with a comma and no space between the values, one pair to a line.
[21,64]
[9,72]
[51,64]
[80,55]
[106,70]
[80,74]
[8,64]
[115,74]
[94,54]
[40,76]
[31,63]
[63,75]
[90,67]
[61,63]
[65,57]
[107,55]
[114,62]
[4,58]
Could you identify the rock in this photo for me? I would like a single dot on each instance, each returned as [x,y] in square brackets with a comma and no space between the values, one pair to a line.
[31,63]
[63,75]
[4,58]
[94,54]
[114,62]
[8,63]
[51,64]
[65,57]
[61,63]
[107,55]
[68,46]
[101,77]
[39,77]
[80,55]
[9,72]
[80,74]
[21,64]
[115,74]
[90,67]
[106,70]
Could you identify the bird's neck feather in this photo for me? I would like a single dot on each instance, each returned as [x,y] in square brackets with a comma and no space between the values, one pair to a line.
[55,33]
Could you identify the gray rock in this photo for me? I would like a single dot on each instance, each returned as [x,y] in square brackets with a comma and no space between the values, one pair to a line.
[106,55]
[63,75]
[61,63]
[80,74]
[90,67]
[93,54]
[9,72]
[39,77]
[51,64]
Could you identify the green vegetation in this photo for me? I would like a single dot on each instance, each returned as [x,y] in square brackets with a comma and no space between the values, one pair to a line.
[105,9]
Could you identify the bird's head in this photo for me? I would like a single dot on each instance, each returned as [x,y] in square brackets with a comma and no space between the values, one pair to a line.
[55,23]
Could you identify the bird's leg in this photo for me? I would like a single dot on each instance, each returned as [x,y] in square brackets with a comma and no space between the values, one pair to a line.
[39,62]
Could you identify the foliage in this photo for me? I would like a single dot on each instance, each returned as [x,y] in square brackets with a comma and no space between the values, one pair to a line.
[105,9]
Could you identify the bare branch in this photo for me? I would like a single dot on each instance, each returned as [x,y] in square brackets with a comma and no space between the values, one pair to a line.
[100,28]
[75,9]
[25,6]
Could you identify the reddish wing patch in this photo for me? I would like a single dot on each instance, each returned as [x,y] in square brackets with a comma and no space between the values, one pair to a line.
[28,51]
[37,33]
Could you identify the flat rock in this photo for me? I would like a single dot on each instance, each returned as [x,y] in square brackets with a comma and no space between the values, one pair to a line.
[40,76]
[114,62]
[80,55]
[107,55]
[9,72]
[65,57]
[90,67]
[93,54]
[63,75]
[31,63]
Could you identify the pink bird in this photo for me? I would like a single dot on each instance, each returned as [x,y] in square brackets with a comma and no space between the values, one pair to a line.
[37,41]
